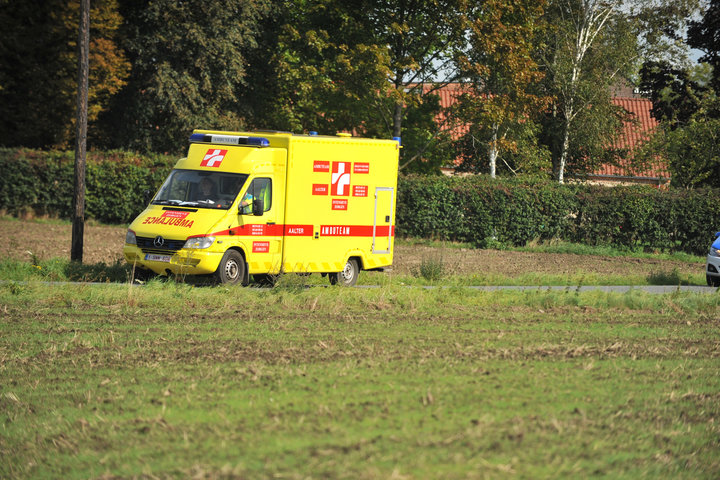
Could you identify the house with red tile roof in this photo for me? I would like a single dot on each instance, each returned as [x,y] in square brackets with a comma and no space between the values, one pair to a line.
[635,131]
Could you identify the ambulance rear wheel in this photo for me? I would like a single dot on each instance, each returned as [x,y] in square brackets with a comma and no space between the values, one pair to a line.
[231,269]
[348,277]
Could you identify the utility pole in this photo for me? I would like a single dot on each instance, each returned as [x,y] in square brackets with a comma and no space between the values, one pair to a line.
[78,222]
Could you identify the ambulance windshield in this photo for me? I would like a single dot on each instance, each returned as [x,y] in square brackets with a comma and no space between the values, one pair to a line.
[203,189]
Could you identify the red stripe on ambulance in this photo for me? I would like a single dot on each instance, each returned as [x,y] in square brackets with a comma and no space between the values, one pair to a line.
[307,231]
[253,230]
[355,231]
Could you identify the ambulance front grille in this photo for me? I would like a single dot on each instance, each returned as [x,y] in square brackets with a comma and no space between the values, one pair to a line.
[147,245]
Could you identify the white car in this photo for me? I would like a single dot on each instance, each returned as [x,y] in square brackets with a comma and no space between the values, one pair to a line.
[712,269]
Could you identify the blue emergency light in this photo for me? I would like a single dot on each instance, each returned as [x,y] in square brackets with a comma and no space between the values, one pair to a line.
[229,139]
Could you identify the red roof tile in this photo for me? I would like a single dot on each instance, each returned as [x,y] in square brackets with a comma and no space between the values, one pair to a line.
[633,134]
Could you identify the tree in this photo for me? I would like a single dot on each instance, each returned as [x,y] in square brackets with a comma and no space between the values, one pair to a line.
[500,107]
[693,153]
[675,96]
[674,85]
[314,69]
[692,150]
[360,66]
[427,137]
[703,35]
[591,48]
[685,102]
[660,26]
[421,38]
[38,69]
[188,70]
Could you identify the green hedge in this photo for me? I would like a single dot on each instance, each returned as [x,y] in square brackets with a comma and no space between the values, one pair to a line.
[43,182]
[478,210]
[482,211]
[487,212]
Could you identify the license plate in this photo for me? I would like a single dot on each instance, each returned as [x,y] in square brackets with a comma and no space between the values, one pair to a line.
[157,258]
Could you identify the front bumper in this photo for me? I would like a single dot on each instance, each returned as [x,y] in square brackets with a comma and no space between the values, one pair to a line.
[181,262]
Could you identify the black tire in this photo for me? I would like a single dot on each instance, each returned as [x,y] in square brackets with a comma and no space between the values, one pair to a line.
[348,277]
[231,269]
[712,281]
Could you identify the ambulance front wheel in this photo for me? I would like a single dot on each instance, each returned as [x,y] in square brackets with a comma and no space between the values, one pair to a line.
[231,269]
[348,277]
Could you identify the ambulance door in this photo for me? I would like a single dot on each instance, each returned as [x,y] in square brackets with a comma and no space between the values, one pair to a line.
[382,226]
[265,234]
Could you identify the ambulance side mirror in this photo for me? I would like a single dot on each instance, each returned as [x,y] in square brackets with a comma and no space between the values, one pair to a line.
[147,196]
[258,207]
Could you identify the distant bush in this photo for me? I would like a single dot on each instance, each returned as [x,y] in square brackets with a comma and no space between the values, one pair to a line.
[495,212]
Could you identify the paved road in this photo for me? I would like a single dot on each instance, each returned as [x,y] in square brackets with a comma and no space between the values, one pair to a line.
[589,288]
[622,288]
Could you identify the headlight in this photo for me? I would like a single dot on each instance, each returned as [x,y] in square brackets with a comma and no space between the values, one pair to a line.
[714,252]
[130,238]
[199,242]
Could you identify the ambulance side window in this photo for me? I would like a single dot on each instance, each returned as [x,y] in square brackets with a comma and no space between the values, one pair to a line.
[259,188]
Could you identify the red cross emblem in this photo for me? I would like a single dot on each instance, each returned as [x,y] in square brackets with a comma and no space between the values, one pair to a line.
[340,179]
[213,158]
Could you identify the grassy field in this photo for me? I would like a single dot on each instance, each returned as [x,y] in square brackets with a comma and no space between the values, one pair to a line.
[170,380]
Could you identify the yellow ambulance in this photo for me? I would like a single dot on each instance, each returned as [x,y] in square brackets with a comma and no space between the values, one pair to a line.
[266,203]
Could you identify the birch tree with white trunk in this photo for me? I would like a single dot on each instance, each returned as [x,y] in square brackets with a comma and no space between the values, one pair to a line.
[595,47]
[588,19]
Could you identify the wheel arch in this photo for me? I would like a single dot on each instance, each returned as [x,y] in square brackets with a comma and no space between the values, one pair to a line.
[358,256]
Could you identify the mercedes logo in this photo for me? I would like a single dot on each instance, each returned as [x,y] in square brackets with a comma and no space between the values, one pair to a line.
[159,241]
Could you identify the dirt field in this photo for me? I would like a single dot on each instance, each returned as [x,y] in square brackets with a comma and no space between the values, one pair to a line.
[104,244]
